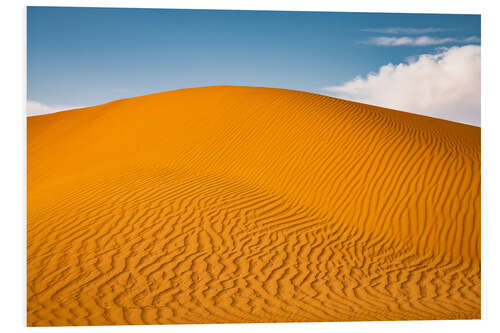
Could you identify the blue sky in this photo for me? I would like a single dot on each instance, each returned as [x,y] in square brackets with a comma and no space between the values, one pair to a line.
[89,56]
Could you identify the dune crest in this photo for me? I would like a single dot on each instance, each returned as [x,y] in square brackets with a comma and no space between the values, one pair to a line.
[242,204]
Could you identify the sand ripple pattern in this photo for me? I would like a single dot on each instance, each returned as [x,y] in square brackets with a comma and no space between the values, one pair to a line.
[239,204]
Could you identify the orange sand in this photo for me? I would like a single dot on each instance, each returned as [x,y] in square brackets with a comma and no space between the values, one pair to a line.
[239,204]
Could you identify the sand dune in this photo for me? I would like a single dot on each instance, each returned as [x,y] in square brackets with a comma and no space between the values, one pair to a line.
[239,204]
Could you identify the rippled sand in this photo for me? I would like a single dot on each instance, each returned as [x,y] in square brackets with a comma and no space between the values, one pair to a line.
[238,204]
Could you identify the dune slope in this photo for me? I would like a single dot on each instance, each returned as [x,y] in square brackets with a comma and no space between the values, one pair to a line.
[239,204]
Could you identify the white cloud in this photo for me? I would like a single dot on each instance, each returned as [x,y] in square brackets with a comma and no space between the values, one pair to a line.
[472,39]
[418,41]
[444,85]
[409,31]
[34,108]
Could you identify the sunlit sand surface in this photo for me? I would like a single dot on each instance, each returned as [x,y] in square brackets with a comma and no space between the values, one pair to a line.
[239,204]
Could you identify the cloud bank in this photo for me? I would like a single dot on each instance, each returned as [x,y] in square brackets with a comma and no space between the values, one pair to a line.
[34,108]
[408,31]
[445,85]
[418,41]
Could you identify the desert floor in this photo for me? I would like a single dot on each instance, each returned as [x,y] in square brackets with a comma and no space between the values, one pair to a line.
[238,204]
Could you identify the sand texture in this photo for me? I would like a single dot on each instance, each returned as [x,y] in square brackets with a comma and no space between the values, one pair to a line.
[238,204]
